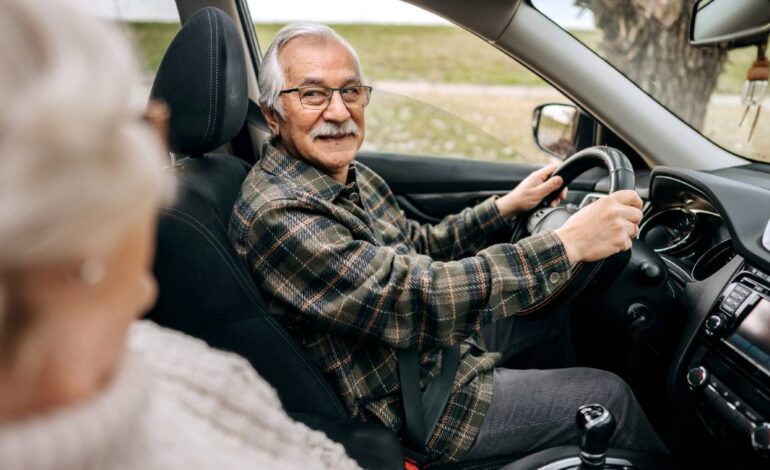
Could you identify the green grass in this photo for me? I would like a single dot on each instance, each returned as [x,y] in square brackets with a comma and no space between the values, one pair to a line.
[152,40]
[734,73]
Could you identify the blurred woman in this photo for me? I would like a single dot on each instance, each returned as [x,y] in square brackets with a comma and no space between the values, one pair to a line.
[81,181]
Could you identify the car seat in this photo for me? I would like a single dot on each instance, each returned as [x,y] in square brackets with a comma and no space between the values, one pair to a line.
[205,290]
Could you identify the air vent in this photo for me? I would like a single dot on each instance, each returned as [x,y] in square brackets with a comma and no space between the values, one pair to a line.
[713,260]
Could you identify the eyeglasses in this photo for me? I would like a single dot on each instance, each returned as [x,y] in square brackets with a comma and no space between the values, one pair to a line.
[319,97]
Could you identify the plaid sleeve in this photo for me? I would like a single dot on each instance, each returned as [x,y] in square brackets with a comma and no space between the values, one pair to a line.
[338,282]
[457,235]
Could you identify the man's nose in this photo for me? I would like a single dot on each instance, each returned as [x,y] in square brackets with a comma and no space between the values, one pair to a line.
[337,111]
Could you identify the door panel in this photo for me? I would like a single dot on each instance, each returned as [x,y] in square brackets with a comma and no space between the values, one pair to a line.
[429,188]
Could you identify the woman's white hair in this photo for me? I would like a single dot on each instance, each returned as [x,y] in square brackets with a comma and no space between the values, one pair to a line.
[77,163]
[271,77]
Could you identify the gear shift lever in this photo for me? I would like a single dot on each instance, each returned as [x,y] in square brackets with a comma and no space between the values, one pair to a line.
[597,425]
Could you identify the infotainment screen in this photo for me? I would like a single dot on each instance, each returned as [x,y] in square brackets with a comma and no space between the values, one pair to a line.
[752,336]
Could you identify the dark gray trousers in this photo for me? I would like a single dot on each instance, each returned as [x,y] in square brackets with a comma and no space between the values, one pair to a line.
[534,408]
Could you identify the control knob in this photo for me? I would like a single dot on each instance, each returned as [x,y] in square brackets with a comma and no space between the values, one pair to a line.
[714,325]
[650,273]
[760,438]
[697,377]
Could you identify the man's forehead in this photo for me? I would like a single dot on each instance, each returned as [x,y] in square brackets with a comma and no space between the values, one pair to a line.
[320,81]
[315,61]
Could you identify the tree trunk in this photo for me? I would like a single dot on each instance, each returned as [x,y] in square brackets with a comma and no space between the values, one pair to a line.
[647,40]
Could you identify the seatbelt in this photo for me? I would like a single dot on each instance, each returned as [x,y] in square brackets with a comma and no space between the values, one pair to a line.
[423,410]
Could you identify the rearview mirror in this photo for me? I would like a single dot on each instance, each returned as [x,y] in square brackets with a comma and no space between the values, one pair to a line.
[554,127]
[732,23]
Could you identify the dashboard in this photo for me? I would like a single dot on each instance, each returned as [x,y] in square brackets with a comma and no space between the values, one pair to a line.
[683,227]
[690,311]
[708,229]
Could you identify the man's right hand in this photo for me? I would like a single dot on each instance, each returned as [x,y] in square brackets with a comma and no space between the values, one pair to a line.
[602,228]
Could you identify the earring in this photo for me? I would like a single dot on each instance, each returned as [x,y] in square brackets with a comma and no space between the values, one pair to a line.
[92,271]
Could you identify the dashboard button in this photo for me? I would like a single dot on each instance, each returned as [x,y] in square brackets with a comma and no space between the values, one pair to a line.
[760,437]
[741,290]
[650,273]
[729,311]
[697,377]
[747,305]
[729,397]
[714,325]
[732,303]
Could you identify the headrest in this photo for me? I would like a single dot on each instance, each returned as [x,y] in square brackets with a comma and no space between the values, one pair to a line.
[202,79]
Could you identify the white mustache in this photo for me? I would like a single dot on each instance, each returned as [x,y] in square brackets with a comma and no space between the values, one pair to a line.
[331,129]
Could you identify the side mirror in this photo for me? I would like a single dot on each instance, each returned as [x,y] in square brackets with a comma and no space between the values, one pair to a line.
[555,128]
[732,23]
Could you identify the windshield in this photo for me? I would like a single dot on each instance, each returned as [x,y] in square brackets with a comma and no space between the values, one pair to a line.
[647,40]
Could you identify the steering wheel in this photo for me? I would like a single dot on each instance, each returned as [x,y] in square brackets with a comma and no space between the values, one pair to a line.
[544,218]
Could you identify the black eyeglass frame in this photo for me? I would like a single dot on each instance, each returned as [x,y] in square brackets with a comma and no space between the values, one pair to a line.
[368,89]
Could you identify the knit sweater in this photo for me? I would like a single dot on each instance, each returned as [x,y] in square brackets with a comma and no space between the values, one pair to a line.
[174,403]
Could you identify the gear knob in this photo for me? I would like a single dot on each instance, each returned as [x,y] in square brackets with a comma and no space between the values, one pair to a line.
[597,425]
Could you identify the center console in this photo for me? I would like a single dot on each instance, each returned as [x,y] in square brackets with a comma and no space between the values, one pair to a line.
[728,374]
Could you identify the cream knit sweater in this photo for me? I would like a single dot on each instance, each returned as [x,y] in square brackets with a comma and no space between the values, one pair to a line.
[174,404]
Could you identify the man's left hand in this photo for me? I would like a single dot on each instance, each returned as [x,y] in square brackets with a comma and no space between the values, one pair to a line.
[528,194]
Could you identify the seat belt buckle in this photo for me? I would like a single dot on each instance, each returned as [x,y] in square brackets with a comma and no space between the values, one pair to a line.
[411,464]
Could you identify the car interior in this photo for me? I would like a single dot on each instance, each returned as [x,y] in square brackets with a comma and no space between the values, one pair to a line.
[684,317]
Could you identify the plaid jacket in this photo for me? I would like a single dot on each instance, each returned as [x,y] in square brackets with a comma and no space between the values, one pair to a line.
[353,280]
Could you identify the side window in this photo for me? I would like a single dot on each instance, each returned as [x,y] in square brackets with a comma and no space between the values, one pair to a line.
[438,90]
[151,24]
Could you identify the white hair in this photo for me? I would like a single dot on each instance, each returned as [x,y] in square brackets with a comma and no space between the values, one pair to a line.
[77,163]
[271,77]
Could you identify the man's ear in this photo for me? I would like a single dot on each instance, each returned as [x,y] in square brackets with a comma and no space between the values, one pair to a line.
[272,118]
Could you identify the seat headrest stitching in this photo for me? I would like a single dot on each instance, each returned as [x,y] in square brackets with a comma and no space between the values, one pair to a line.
[211,76]
[216,77]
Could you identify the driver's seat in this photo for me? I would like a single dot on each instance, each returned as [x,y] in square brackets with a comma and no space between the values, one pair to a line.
[205,290]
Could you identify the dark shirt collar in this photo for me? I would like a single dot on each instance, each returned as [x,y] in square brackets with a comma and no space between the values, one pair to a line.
[303,174]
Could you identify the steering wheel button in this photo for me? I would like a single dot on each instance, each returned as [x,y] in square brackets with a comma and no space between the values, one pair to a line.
[554,277]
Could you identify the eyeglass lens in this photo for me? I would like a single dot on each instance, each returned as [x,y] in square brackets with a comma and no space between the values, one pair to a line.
[319,97]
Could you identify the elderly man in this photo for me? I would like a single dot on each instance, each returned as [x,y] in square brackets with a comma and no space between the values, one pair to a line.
[357,283]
